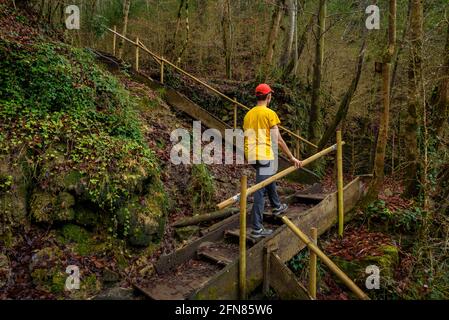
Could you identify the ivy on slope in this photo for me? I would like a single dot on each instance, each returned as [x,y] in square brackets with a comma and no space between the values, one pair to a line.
[70,128]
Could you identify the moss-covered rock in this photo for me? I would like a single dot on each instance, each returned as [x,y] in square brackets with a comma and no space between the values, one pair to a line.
[47,270]
[13,196]
[386,262]
[142,219]
[5,270]
[87,217]
[81,241]
[49,208]
[185,233]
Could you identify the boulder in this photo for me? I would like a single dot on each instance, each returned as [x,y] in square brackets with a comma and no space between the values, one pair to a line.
[5,270]
[49,208]
[142,220]
[185,233]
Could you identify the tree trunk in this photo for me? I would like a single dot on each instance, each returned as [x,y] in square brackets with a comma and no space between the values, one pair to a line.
[186,41]
[315,121]
[415,99]
[272,37]
[442,104]
[126,6]
[344,104]
[382,136]
[226,24]
[287,55]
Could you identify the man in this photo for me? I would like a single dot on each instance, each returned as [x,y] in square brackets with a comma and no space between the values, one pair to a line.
[261,127]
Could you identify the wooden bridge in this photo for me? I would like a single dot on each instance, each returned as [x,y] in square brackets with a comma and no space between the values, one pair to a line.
[217,265]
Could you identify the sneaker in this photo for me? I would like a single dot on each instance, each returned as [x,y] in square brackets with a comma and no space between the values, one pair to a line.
[261,233]
[281,209]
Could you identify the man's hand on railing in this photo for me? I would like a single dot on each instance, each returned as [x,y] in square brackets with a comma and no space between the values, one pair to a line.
[296,162]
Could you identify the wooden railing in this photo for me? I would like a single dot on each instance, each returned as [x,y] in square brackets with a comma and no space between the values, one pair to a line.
[163,61]
[311,243]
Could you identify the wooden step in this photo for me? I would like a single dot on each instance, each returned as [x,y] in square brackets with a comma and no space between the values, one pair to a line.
[220,253]
[235,234]
[306,198]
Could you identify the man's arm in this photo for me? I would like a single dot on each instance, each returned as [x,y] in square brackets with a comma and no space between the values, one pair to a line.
[281,143]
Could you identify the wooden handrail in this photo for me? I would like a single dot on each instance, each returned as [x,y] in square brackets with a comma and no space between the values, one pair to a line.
[332,266]
[275,177]
[162,59]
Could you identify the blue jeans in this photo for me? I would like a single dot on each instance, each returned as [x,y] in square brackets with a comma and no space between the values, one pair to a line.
[263,172]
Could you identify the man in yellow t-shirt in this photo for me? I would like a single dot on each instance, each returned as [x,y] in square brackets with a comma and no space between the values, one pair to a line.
[261,130]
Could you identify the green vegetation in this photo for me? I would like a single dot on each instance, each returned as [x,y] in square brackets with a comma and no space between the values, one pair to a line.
[74,137]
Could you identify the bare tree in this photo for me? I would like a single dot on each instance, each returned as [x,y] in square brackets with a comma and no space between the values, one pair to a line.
[315,121]
[126,7]
[414,107]
[272,36]
[226,24]
[384,121]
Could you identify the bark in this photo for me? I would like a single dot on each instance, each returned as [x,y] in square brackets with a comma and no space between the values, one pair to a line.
[126,7]
[186,41]
[442,104]
[346,101]
[415,99]
[315,121]
[226,24]
[384,121]
[272,37]
[287,55]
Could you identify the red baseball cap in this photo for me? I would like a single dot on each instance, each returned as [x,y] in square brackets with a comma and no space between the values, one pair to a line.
[263,89]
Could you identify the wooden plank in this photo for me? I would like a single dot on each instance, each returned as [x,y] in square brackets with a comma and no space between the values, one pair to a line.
[235,233]
[215,256]
[323,216]
[284,282]
[168,262]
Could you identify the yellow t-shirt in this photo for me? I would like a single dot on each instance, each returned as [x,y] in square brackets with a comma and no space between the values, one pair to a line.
[257,124]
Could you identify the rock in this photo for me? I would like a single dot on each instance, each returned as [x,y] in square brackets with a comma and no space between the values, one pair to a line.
[143,230]
[42,206]
[5,270]
[143,218]
[356,269]
[47,270]
[185,233]
[13,196]
[116,293]
[110,276]
[50,208]
[87,217]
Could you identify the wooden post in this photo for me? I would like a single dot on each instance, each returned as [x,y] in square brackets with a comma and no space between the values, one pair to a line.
[114,41]
[242,263]
[340,184]
[328,262]
[235,114]
[137,54]
[312,264]
[162,70]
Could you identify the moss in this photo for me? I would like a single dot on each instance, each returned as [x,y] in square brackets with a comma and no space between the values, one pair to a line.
[142,218]
[86,216]
[201,189]
[356,269]
[74,233]
[185,233]
[49,208]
